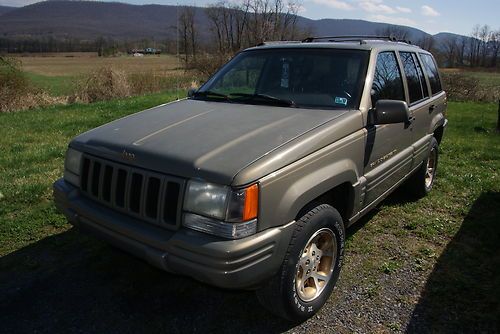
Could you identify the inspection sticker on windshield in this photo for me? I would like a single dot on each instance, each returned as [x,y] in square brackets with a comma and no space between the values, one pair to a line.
[340,100]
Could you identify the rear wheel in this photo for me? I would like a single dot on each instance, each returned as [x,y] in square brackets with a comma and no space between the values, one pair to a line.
[421,183]
[311,266]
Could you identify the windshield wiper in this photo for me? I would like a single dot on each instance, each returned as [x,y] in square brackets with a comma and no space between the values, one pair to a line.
[208,93]
[269,98]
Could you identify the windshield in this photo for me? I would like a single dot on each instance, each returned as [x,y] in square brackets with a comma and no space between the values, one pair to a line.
[308,78]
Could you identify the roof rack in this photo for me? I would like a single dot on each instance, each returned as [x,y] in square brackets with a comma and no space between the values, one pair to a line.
[277,42]
[354,38]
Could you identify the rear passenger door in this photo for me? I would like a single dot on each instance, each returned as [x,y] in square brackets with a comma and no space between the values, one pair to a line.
[388,152]
[420,104]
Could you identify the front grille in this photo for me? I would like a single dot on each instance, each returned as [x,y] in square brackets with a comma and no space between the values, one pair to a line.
[140,193]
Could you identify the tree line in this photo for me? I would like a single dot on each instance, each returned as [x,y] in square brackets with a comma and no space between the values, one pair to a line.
[235,26]
[480,49]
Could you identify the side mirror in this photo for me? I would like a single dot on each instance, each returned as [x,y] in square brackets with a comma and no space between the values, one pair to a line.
[390,112]
[191,92]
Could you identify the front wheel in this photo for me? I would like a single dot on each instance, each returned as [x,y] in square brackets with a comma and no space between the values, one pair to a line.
[311,266]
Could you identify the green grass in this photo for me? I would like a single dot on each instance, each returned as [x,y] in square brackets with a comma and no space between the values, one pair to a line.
[486,79]
[54,85]
[446,245]
[450,239]
[33,144]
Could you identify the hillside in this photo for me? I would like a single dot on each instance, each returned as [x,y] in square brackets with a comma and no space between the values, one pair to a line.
[5,9]
[89,20]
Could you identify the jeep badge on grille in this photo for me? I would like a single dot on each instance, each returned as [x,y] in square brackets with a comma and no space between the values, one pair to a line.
[127,155]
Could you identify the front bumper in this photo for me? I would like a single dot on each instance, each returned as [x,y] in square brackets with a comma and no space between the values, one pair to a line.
[243,263]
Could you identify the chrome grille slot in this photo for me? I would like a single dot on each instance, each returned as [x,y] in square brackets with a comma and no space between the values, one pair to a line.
[150,196]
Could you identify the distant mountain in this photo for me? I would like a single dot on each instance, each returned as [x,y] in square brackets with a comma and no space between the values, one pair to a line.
[5,9]
[339,27]
[86,19]
[92,19]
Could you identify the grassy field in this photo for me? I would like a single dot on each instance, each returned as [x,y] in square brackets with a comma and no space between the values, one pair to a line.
[426,266]
[487,79]
[57,74]
[68,65]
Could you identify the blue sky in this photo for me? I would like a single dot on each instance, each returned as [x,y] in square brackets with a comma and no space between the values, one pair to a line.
[457,16]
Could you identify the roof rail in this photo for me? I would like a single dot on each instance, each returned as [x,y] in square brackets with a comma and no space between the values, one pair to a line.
[354,38]
[277,42]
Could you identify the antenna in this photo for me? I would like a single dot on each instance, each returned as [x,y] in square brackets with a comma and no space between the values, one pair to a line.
[177,47]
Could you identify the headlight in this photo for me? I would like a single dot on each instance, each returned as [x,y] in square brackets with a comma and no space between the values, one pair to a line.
[72,166]
[221,210]
[207,199]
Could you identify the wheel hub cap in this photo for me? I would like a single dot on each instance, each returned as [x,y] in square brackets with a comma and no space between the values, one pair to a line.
[431,168]
[315,265]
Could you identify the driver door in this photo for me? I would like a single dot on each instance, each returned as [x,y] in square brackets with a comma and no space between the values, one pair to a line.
[388,150]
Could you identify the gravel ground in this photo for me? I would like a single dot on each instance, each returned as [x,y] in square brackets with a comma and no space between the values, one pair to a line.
[72,283]
[89,287]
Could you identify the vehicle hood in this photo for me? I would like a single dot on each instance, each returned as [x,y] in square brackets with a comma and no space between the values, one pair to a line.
[208,140]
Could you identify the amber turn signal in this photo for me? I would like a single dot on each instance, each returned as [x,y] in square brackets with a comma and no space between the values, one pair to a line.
[251,202]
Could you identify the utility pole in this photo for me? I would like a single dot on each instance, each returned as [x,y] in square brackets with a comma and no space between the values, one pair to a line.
[498,120]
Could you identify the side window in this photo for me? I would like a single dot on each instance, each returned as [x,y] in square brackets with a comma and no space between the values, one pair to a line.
[387,82]
[425,90]
[413,76]
[432,72]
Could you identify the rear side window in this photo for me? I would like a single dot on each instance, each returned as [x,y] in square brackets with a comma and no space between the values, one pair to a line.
[425,90]
[417,86]
[432,72]
[387,81]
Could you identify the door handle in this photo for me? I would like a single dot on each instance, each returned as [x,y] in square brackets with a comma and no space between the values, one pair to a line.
[432,107]
[411,119]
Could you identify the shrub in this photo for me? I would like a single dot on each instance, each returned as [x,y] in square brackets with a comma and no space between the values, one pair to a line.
[102,84]
[207,64]
[152,82]
[463,87]
[16,92]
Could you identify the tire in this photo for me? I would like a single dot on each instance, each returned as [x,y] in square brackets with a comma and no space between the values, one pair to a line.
[421,183]
[291,293]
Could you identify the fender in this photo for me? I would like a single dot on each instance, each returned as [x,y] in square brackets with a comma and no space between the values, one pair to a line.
[437,121]
[309,189]
[288,190]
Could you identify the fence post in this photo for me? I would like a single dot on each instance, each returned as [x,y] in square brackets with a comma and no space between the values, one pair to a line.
[498,120]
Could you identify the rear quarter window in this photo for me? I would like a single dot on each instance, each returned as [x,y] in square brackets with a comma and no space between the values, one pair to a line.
[432,73]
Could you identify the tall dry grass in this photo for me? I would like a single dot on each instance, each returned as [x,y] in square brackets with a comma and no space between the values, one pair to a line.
[462,87]
[102,84]
[207,64]
[16,92]
[109,83]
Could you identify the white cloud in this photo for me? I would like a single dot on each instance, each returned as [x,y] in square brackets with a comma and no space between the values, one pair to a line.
[376,7]
[391,19]
[337,4]
[429,11]
[17,3]
[403,9]
[301,9]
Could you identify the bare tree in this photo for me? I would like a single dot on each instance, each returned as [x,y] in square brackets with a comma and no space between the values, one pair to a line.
[461,46]
[187,32]
[427,42]
[398,32]
[484,34]
[450,48]
[495,47]
[251,22]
